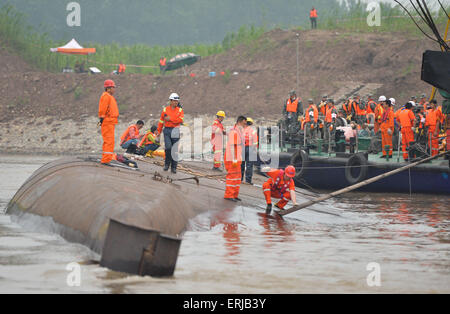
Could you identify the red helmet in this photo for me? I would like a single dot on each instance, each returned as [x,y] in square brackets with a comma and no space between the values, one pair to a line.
[109,83]
[290,171]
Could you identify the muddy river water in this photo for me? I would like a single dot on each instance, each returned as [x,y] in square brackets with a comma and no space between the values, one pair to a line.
[369,243]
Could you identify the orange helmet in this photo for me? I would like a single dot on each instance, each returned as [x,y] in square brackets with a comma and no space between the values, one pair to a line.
[109,83]
[290,171]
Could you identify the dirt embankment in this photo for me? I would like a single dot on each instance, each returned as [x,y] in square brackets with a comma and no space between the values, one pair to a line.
[258,78]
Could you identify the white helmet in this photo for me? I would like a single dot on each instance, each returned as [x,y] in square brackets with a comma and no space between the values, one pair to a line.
[412,103]
[382,98]
[174,96]
[392,100]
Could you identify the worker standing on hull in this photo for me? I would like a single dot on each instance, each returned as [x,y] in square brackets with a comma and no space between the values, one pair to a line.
[217,133]
[108,113]
[250,152]
[233,160]
[280,185]
[171,118]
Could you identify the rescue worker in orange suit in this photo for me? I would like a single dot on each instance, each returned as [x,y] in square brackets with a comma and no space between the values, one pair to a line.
[171,118]
[108,113]
[217,133]
[406,120]
[313,18]
[149,143]
[131,137]
[280,185]
[250,151]
[162,65]
[379,113]
[233,159]
[311,119]
[121,69]
[433,123]
[387,129]
[293,108]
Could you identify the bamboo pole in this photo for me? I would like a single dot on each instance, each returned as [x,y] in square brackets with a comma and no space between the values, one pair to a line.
[356,186]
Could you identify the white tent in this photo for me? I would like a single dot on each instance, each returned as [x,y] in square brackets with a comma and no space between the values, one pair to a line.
[73,48]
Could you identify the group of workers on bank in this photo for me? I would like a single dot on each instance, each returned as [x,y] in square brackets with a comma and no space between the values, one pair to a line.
[416,121]
[238,157]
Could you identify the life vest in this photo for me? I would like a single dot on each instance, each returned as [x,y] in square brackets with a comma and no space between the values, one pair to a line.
[122,68]
[250,137]
[311,114]
[277,186]
[347,107]
[217,129]
[378,113]
[331,114]
[176,118]
[146,140]
[313,13]
[360,108]
[162,61]
[369,106]
[322,107]
[291,106]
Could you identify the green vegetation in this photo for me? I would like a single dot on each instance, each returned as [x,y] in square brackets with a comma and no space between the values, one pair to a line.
[35,47]
[393,19]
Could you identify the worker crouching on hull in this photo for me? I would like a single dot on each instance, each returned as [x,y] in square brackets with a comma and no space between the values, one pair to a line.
[280,185]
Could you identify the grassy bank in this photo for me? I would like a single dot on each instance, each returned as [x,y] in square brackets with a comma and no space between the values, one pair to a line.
[34,47]
[393,20]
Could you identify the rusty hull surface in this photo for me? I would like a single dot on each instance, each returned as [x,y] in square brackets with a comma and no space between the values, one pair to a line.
[80,196]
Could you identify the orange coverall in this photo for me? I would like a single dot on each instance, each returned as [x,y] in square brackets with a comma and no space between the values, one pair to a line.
[217,133]
[387,122]
[109,111]
[233,161]
[434,117]
[406,120]
[276,187]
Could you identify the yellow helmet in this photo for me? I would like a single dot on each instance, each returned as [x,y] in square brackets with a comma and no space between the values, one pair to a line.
[221,114]
[250,120]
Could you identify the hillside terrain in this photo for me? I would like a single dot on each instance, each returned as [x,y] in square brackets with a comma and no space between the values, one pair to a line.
[258,77]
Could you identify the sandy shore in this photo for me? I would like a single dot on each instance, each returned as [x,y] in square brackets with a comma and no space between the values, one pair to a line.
[46,135]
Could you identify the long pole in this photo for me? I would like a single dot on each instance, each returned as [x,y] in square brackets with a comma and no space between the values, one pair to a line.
[356,186]
[298,63]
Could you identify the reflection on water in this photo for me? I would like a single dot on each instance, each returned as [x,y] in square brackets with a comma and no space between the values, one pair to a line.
[325,248]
